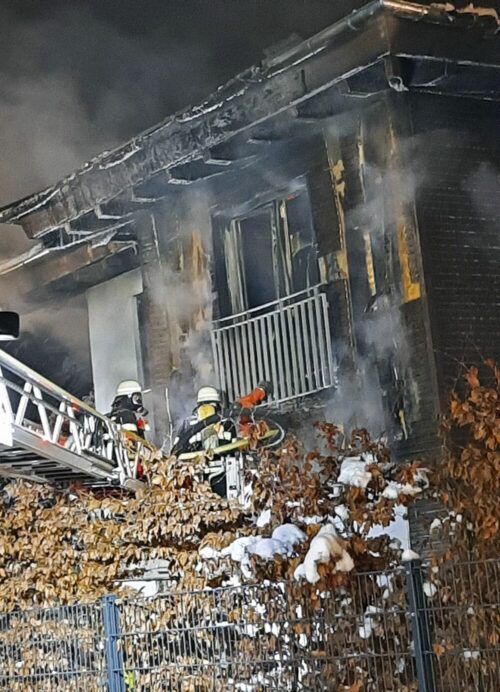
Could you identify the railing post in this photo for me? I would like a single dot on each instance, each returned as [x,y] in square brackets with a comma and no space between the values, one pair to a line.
[420,627]
[114,658]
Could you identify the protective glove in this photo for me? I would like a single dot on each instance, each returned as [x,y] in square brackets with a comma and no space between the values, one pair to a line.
[266,387]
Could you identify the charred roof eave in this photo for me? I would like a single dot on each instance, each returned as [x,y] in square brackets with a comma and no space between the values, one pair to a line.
[381,29]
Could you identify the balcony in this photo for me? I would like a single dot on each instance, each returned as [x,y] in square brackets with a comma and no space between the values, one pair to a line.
[287,342]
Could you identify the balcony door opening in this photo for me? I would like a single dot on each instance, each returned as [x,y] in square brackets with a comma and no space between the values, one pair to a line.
[274,322]
[269,254]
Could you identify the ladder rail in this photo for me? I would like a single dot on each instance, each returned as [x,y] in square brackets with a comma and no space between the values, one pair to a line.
[54,426]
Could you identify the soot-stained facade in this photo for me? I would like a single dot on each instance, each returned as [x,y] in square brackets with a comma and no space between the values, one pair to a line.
[327,220]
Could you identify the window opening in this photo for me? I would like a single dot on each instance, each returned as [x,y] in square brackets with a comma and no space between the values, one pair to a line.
[270,253]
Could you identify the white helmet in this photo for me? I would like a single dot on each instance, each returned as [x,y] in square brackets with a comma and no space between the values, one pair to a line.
[208,395]
[128,387]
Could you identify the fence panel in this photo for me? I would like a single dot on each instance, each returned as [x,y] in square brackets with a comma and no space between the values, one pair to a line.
[462,606]
[380,632]
[53,649]
[272,637]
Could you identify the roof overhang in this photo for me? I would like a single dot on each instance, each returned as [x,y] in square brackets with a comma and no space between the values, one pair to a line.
[388,44]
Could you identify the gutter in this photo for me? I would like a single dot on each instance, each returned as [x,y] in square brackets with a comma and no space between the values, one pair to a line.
[355,21]
[318,42]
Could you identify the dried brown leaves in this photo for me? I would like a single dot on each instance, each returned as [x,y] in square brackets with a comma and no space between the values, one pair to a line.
[469,476]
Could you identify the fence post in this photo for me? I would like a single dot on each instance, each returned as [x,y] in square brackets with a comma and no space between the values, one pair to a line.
[420,627]
[114,658]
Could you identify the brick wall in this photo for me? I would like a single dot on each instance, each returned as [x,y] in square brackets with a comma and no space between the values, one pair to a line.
[458,210]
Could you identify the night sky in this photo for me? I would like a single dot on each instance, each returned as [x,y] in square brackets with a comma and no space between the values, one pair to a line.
[81,76]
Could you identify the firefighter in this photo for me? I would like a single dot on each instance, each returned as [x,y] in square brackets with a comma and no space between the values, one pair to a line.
[204,428]
[127,409]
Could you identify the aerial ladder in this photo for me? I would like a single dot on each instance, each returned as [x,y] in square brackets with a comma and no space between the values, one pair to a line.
[47,435]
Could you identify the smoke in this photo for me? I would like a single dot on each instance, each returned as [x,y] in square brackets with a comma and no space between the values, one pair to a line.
[183,289]
[72,85]
[482,188]
[80,77]
[189,307]
[56,343]
[382,351]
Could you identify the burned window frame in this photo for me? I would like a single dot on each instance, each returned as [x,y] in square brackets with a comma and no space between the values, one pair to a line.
[228,251]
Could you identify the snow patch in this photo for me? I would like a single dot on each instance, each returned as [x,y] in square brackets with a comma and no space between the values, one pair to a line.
[208,553]
[325,545]
[400,666]
[430,589]
[342,512]
[409,555]
[436,524]
[289,535]
[233,580]
[284,539]
[314,519]
[267,548]
[393,490]
[237,550]
[353,471]
[250,630]
[468,654]
[385,580]
[422,477]
[272,628]
[148,589]
[366,629]
[398,529]
[264,518]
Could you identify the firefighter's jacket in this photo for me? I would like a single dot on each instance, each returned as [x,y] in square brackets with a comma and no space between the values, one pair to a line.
[199,432]
[128,420]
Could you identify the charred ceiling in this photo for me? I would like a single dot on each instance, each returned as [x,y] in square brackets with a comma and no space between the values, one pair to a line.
[386,45]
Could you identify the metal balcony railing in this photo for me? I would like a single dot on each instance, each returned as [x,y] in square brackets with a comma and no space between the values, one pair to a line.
[287,342]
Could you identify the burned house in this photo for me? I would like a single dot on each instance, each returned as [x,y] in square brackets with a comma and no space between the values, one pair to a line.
[326,221]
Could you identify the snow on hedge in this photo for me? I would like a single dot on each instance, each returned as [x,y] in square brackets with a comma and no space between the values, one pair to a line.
[281,543]
[353,471]
[289,535]
[324,546]
[393,490]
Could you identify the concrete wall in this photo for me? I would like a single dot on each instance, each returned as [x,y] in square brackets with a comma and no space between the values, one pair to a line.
[113,329]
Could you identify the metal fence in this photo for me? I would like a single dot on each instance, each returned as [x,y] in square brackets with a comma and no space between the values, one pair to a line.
[287,342]
[421,627]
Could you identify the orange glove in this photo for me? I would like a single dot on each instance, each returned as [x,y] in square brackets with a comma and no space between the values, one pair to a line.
[256,397]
